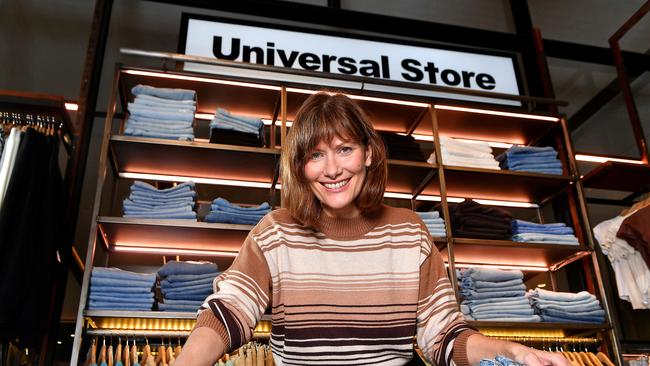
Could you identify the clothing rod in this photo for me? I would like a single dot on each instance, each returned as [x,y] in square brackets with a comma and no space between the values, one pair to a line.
[565,340]
[139,333]
[364,81]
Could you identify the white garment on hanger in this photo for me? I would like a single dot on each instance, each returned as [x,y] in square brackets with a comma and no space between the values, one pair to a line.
[630,270]
[8,161]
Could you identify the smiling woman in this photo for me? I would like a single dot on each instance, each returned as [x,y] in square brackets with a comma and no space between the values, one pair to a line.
[350,281]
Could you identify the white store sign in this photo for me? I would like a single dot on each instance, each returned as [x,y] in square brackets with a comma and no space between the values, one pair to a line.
[367,58]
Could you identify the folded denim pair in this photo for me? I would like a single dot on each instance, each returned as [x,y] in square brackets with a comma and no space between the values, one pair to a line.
[559,228]
[137,127]
[147,201]
[545,238]
[517,303]
[559,319]
[429,215]
[474,295]
[120,274]
[180,284]
[164,93]
[224,205]
[161,101]
[101,305]
[184,278]
[478,284]
[160,114]
[218,216]
[540,293]
[158,210]
[191,215]
[512,318]
[143,298]
[118,290]
[128,204]
[104,281]
[488,274]
[181,268]
[157,135]
[517,287]
[183,296]
[159,107]
[181,187]
[153,124]
[224,119]
[189,288]
[502,313]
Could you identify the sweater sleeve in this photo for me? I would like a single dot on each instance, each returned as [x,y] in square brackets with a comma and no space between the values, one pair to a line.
[442,332]
[241,295]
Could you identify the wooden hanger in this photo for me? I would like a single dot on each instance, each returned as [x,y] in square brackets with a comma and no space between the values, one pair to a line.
[604,359]
[93,352]
[118,352]
[134,353]
[170,355]
[635,207]
[585,360]
[146,351]
[110,355]
[127,353]
[102,353]
[594,359]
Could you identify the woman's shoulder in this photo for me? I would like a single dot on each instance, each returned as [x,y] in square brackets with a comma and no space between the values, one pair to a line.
[280,216]
[399,215]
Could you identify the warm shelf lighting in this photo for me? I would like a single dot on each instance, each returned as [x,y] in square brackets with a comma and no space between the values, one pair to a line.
[506,203]
[362,97]
[501,266]
[171,251]
[268,122]
[213,181]
[200,79]
[71,106]
[604,159]
[205,116]
[496,113]
[500,145]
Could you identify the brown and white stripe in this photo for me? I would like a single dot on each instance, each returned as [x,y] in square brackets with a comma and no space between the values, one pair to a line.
[353,295]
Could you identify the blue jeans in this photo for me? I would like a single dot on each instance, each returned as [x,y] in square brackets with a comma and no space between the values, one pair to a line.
[162,108]
[131,126]
[428,215]
[182,187]
[144,122]
[116,273]
[232,218]
[187,268]
[154,202]
[118,299]
[224,123]
[127,204]
[103,281]
[473,295]
[165,93]
[560,296]
[201,288]
[519,287]
[183,278]
[251,121]
[202,281]
[467,283]
[557,319]
[118,290]
[177,296]
[488,274]
[223,205]
[510,318]
[506,300]
[157,135]
[191,216]
[148,99]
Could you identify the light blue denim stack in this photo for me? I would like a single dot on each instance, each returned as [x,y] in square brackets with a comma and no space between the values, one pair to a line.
[148,202]
[495,295]
[224,212]
[531,159]
[117,289]
[566,307]
[249,129]
[161,113]
[530,232]
[186,284]
[434,223]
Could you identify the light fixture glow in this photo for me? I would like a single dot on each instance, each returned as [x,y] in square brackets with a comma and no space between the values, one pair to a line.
[213,181]
[541,285]
[501,266]
[206,116]
[604,159]
[506,203]
[500,145]
[172,251]
[496,113]
[59,342]
[200,79]
[268,122]
[71,106]
[363,97]
[405,196]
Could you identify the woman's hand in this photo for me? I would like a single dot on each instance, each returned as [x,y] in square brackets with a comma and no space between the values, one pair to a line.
[534,357]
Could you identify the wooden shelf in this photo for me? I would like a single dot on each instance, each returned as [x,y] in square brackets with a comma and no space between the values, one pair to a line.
[505,185]
[407,176]
[618,176]
[237,97]
[539,325]
[193,159]
[172,234]
[504,252]
[487,126]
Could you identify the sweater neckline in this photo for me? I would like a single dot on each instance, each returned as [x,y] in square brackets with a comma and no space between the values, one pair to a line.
[348,227]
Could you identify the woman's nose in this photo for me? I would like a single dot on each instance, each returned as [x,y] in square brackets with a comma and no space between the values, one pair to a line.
[332,167]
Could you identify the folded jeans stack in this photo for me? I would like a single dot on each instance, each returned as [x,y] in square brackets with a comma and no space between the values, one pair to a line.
[117,289]
[531,159]
[148,202]
[467,154]
[473,220]
[402,147]
[566,307]
[495,295]
[161,113]
[435,224]
[224,212]
[530,232]
[185,285]
[228,128]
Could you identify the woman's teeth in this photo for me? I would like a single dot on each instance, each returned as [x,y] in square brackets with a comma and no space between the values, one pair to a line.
[336,185]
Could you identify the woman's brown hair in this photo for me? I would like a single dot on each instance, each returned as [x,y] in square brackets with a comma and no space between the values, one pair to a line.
[320,118]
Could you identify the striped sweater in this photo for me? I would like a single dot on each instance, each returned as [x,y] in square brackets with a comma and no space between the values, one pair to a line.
[353,292]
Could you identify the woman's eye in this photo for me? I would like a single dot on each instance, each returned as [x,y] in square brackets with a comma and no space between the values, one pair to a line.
[316,155]
[346,149]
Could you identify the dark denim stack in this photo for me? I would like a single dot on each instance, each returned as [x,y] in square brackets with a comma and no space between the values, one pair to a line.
[402,147]
[228,128]
[161,113]
[473,220]
[148,202]
[185,285]
[566,307]
[116,289]
[531,159]
[222,211]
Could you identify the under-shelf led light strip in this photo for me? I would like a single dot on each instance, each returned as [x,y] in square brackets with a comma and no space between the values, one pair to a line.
[496,113]
[200,79]
[501,266]
[171,251]
[604,159]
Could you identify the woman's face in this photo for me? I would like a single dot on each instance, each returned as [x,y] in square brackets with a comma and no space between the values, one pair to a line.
[336,172]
